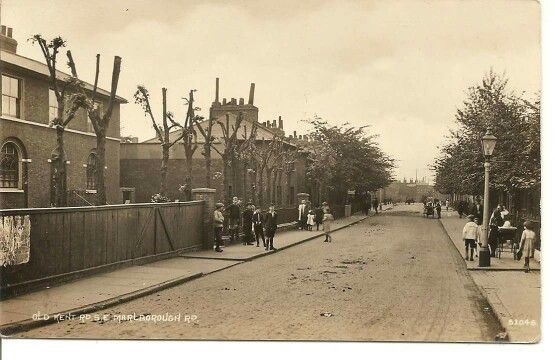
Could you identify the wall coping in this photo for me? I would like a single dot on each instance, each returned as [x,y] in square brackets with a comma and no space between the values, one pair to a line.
[203,190]
[32,211]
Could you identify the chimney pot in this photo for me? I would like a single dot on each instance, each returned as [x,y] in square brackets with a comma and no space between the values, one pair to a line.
[3,29]
[224,101]
[10,32]
[280,121]
[274,123]
[295,134]
[251,95]
[241,101]
[217,90]
[233,101]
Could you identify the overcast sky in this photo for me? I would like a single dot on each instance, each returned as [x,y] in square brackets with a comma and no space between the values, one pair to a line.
[401,67]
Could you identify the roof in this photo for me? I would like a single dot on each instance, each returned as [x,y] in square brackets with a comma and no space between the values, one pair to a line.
[40,68]
[263,133]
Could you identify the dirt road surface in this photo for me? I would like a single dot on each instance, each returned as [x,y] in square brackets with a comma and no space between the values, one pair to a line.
[394,277]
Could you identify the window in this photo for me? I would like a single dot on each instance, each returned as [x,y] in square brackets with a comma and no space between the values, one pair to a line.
[9,166]
[11,96]
[52,105]
[91,171]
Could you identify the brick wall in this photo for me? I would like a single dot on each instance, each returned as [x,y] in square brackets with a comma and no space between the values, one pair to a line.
[39,143]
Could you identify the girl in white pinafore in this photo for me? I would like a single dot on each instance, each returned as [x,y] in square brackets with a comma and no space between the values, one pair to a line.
[527,244]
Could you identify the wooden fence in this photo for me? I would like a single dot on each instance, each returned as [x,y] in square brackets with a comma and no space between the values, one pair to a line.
[69,241]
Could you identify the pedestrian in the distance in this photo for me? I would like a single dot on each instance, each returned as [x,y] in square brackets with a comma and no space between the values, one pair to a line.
[247,225]
[270,227]
[470,235]
[327,220]
[527,245]
[234,220]
[446,205]
[218,226]
[438,210]
[318,217]
[258,224]
[310,220]
[375,204]
[303,212]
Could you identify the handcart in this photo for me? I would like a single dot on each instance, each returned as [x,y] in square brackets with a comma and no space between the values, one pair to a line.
[507,241]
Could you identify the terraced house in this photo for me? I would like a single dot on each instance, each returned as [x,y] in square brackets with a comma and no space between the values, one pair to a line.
[27,140]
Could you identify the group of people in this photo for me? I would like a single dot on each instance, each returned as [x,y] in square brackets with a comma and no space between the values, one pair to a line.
[259,226]
[254,224]
[499,221]
[317,216]
[432,205]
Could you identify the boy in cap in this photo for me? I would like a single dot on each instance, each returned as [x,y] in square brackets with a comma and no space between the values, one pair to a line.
[271,227]
[470,235]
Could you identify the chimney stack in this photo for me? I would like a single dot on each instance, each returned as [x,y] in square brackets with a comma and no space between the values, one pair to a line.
[280,123]
[7,42]
[294,134]
[224,101]
[251,95]
[274,123]
[217,91]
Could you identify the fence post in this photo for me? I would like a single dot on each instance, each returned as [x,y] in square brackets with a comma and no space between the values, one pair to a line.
[209,198]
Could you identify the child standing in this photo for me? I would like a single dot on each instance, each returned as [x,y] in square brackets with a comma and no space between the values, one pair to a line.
[327,220]
[527,244]
[470,235]
[310,219]
[218,226]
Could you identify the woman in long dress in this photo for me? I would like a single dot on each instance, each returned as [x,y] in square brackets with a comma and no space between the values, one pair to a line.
[527,244]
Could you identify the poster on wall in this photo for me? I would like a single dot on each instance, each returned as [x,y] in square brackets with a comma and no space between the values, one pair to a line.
[15,244]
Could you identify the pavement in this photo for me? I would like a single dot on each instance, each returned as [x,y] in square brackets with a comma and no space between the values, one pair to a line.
[515,296]
[392,277]
[453,226]
[103,290]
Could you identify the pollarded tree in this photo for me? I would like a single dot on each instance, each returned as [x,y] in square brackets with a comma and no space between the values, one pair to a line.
[100,120]
[142,98]
[64,89]
[229,142]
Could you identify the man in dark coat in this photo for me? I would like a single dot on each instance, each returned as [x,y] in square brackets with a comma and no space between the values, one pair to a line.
[270,226]
[375,204]
[247,225]
[258,224]
[234,220]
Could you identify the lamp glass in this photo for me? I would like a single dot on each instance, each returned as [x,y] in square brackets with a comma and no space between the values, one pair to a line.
[488,144]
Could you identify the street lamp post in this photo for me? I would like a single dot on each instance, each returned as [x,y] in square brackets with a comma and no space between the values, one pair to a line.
[488,144]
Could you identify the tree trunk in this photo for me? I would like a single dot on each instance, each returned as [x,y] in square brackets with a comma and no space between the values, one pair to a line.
[208,162]
[164,170]
[58,186]
[260,191]
[227,195]
[268,185]
[100,167]
[188,174]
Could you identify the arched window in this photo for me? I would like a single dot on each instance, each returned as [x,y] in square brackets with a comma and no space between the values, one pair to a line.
[91,171]
[10,166]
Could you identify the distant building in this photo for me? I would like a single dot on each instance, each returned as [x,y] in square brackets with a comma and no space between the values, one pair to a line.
[26,139]
[140,162]
[401,191]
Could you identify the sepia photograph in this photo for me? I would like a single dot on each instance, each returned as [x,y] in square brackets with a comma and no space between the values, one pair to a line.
[273,170]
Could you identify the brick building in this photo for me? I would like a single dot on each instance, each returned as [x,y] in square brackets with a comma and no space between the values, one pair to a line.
[140,162]
[27,140]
